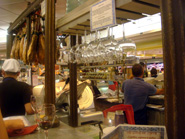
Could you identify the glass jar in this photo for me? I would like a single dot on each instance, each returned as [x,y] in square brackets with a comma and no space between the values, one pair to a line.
[119,117]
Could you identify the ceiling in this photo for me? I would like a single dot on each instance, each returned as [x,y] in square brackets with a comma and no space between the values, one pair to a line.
[11,9]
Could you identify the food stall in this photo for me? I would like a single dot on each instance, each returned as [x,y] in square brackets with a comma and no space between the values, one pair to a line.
[77,21]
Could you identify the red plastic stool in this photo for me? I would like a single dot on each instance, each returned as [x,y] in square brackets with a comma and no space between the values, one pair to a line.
[128,110]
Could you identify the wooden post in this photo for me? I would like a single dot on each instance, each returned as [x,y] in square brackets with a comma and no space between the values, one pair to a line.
[28,30]
[9,44]
[50,38]
[73,117]
[173,36]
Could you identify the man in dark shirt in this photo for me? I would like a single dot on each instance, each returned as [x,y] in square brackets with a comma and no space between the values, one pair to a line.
[14,95]
[136,93]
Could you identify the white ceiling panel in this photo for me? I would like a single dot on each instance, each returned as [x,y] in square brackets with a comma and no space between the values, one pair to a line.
[7,2]
[4,27]
[16,8]
[2,23]
[4,12]
[9,18]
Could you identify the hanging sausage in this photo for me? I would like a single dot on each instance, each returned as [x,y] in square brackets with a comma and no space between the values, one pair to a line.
[12,54]
[17,47]
[22,43]
[24,54]
[32,50]
[41,45]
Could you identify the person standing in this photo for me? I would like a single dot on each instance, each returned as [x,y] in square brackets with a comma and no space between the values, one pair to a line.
[14,95]
[153,72]
[136,93]
[145,69]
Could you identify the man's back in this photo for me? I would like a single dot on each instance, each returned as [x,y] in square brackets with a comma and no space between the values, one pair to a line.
[13,96]
[136,92]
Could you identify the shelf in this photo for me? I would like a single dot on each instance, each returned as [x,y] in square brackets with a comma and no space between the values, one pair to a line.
[62,64]
[104,66]
[101,79]
[93,72]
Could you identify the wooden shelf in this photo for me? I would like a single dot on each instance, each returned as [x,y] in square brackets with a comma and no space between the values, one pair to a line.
[100,79]
[62,64]
[105,66]
[154,2]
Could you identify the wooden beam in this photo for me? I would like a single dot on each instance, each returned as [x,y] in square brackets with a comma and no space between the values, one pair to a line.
[140,7]
[154,2]
[82,27]
[9,44]
[73,117]
[76,13]
[28,31]
[80,20]
[50,42]
[24,14]
[173,35]
[121,13]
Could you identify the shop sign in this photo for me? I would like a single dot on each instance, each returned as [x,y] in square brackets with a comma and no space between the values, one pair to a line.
[102,15]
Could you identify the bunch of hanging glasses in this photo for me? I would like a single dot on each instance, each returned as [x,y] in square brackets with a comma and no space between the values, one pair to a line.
[101,50]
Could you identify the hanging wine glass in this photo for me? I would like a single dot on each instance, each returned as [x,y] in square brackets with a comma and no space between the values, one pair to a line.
[93,46]
[89,50]
[109,40]
[66,51]
[127,45]
[110,45]
[80,50]
[120,55]
[100,50]
[73,50]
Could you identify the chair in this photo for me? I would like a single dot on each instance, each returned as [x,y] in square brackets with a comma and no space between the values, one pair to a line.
[128,110]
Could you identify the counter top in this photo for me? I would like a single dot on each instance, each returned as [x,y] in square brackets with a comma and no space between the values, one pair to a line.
[157,97]
[63,131]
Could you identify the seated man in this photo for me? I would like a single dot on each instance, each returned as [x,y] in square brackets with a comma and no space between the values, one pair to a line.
[14,95]
[136,93]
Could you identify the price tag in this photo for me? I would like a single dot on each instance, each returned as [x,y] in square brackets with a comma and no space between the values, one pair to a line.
[102,15]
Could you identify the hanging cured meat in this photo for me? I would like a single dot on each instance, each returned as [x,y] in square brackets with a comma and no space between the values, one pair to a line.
[12,54]
[22,44]
[41,44]
[17,47]
[31,55]
[24,54]
[32,49]
[41,49]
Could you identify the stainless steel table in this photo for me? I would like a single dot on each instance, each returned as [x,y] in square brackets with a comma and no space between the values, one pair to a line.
[63,131]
